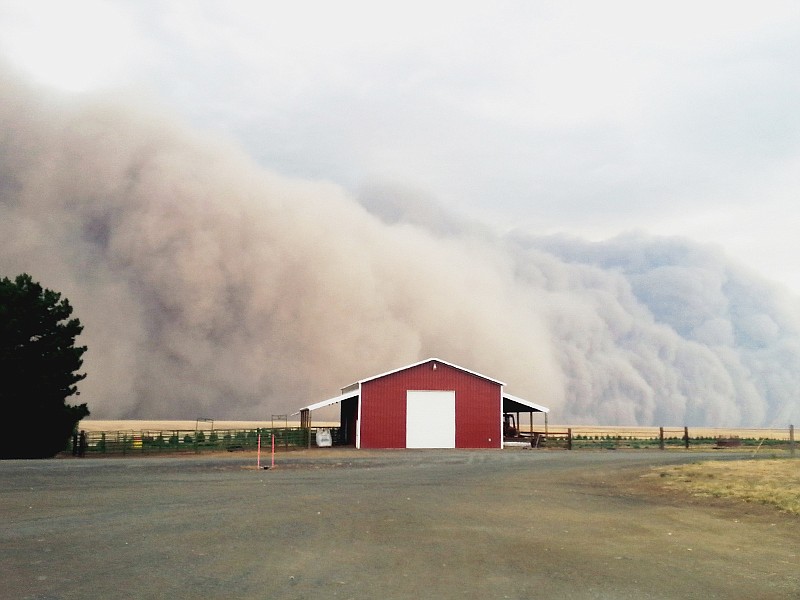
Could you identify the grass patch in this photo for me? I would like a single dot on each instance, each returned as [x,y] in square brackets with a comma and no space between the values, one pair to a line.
[774,482]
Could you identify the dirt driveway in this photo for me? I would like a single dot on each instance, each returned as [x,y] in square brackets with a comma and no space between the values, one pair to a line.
[374,525]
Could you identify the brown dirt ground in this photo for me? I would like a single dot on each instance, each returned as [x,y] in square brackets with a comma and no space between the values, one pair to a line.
[342,523]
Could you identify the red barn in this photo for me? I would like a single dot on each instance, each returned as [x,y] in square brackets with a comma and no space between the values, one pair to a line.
[430,404]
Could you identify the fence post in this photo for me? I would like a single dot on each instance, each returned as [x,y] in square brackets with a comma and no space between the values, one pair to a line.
[661,438]
[569,438]
[686,437]
[791,439]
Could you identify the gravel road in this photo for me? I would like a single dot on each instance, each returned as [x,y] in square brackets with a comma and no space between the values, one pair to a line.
[344,523]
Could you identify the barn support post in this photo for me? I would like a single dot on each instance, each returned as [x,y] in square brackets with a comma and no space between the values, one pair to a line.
[661,438]
[686,437]
[305,426]
[791,439]
[569,438]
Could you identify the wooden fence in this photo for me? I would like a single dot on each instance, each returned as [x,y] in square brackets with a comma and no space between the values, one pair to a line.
[662,438]
[98,443]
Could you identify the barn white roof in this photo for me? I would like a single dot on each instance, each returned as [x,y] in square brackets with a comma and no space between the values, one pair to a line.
[329,401]
[524,404]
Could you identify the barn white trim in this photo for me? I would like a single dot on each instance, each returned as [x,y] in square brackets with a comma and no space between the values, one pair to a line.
[526,403]
[329,401]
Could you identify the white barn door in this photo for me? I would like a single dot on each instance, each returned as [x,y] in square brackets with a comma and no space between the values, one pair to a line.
[430,419]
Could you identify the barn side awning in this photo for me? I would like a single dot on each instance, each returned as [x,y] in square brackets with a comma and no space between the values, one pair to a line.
[328,402]
[512,404]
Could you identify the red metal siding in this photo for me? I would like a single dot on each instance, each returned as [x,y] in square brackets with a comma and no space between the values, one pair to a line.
[478,413]
[383,406]
[383,413]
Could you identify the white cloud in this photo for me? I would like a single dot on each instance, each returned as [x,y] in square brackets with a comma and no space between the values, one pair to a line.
[74,46]
[584,117]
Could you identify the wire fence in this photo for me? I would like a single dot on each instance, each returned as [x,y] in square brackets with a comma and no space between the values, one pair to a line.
[94,443]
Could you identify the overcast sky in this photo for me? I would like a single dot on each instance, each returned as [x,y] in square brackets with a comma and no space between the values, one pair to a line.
[591,118]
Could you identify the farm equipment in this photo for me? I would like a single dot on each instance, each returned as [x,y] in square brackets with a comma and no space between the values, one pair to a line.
[509,426]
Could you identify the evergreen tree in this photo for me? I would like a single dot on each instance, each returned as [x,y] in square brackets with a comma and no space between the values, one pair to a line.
[39,365]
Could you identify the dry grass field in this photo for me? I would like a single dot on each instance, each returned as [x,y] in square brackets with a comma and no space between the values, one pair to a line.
[676,431]
[772,482]
[188,425]
[185,425]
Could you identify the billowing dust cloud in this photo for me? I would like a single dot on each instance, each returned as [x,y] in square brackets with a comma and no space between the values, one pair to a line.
[209,286]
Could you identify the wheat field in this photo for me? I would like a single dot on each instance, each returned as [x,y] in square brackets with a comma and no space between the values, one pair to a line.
[92,425]
[98,425]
